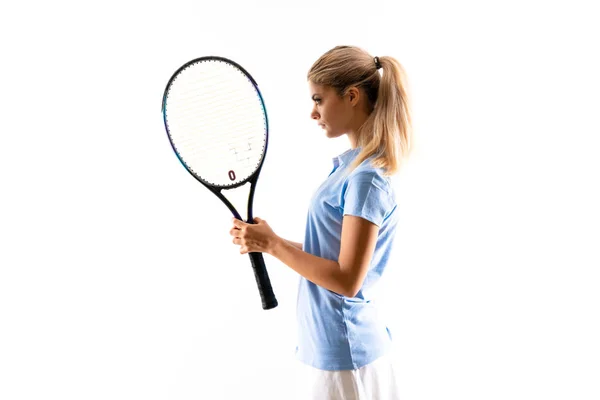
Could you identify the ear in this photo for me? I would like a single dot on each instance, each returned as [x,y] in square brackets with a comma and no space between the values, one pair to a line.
[353,95]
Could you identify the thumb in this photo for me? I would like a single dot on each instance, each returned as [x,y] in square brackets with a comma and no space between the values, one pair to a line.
[257,220]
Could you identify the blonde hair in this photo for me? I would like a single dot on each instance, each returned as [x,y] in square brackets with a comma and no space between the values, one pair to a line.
[387,132]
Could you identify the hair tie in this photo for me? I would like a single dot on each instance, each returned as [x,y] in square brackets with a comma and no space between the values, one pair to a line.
[377,63]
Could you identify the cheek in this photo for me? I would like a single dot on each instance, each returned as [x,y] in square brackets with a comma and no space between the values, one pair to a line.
[330,114]
[336,117]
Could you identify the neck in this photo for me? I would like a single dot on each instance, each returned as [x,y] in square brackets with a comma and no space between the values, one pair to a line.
[353,132]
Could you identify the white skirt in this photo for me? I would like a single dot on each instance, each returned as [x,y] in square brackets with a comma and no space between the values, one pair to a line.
[375,381]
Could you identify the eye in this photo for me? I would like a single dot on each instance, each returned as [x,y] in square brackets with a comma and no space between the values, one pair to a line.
[318,101]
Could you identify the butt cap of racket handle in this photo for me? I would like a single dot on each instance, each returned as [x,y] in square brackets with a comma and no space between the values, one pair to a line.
[262,280]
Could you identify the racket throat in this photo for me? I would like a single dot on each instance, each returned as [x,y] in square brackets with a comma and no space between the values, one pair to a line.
[239,196]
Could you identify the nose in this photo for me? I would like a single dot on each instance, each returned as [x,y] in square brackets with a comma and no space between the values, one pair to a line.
[314,114]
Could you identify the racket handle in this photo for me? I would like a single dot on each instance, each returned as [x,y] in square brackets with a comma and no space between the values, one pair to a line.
[262,280]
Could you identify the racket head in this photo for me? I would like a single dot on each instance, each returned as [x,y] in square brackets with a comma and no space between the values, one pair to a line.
[216,121]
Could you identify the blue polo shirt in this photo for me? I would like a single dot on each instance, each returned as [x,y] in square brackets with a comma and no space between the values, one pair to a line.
[337,332]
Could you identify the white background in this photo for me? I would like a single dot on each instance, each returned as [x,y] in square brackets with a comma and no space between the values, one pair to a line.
[118,279]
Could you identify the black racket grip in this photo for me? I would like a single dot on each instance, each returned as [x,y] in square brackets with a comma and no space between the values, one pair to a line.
[262,280]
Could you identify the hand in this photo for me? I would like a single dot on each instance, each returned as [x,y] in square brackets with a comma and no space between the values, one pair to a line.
[257,237]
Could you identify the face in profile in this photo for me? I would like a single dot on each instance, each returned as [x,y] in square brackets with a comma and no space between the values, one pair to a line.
[332,112]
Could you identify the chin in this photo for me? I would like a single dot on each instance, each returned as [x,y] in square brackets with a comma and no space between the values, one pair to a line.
[333,135]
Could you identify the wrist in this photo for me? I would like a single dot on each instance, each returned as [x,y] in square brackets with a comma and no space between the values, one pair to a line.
[276,245]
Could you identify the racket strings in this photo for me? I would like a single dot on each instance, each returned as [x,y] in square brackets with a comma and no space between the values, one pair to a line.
[217,123]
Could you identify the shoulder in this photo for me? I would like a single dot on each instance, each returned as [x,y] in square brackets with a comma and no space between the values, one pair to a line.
[366,173]
[368,194]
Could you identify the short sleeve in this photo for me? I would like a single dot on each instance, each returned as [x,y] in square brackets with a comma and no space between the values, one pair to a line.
[368,196]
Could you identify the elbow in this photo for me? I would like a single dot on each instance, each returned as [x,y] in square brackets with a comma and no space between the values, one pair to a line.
[351,293]
[350,282]
[350,279]
[352,288]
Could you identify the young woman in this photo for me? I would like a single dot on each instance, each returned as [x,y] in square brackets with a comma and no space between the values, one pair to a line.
[343,346]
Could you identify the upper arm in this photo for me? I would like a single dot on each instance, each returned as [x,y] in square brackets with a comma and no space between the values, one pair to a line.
[359,238]
[368,200]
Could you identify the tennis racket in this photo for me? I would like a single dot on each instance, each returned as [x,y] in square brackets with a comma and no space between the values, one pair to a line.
[217,124]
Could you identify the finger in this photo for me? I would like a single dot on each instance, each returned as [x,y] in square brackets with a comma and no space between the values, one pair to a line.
[257,220]
[234,231]
[237,223]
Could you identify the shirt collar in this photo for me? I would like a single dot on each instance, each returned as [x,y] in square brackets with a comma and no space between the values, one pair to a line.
[346,157]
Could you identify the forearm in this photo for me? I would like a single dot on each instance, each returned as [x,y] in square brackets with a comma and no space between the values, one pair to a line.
[295,244]
[321,271]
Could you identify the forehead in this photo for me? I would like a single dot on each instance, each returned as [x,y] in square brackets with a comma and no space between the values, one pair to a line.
[320,89]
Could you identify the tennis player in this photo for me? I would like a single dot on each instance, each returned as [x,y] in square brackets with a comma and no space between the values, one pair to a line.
[344,348]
